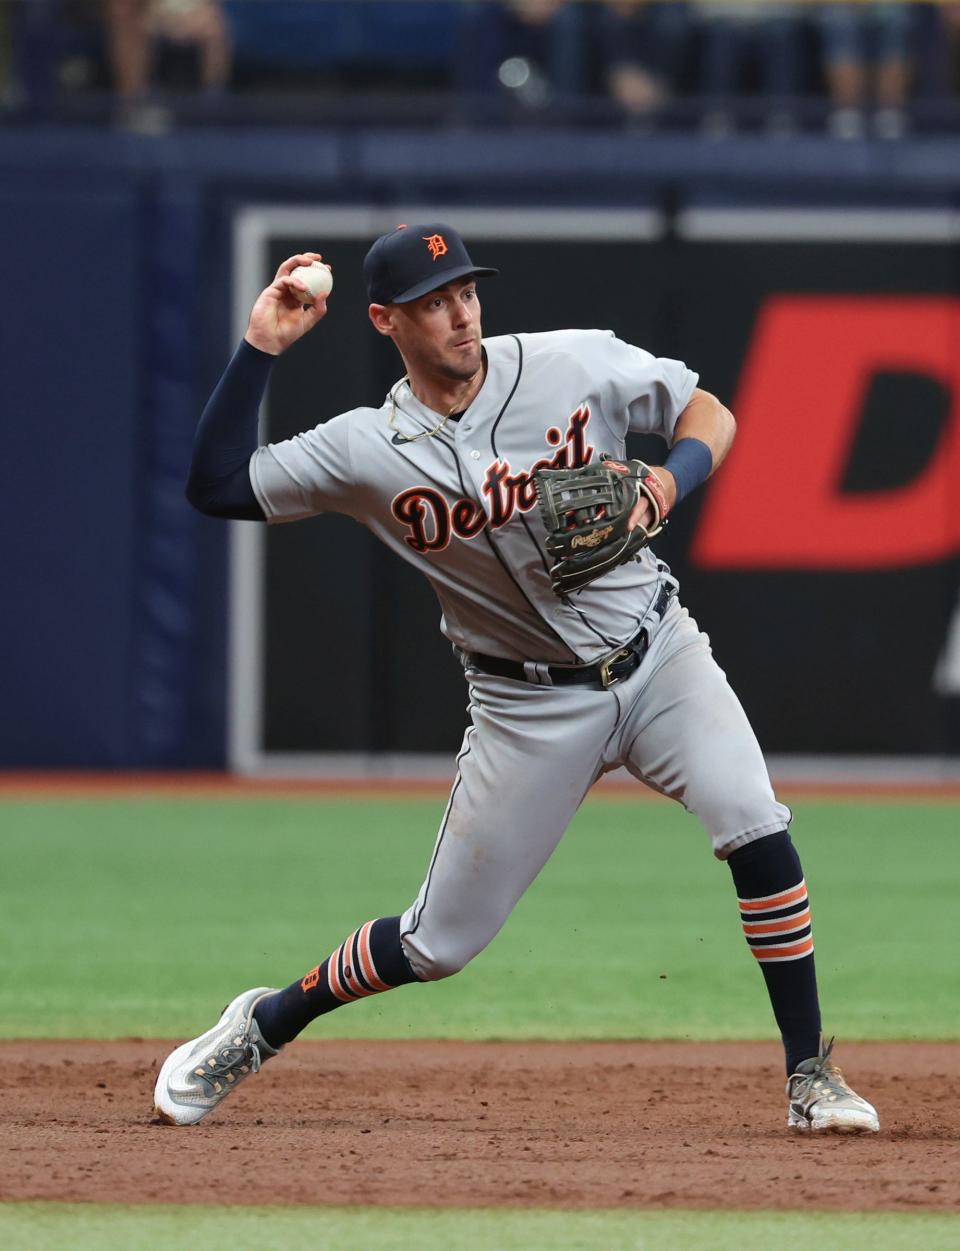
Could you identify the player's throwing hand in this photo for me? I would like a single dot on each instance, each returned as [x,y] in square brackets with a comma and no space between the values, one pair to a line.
[279,317]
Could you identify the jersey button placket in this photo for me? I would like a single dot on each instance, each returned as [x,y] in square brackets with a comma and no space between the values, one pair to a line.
[462,439]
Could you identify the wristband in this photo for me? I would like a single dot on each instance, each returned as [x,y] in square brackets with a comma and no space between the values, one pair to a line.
[690,461]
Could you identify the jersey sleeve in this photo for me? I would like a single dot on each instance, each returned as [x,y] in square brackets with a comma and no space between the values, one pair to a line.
[305,475]
[652,390]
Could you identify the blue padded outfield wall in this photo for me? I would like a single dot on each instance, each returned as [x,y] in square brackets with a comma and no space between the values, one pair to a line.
[72,467]
[117,258]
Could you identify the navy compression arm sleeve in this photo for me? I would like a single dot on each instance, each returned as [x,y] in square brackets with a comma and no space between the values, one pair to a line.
[226,438]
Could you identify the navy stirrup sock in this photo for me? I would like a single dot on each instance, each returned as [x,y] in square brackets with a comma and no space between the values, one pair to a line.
[371,960]
[775,914]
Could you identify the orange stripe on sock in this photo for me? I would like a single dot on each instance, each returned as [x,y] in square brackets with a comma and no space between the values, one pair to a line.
[791,951]
[333,976]
[771,902]
[367,967]
[797,922]
[333,979]
[350,972]
[350,980]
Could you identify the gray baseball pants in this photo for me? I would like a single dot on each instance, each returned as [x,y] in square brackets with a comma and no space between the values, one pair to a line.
[531,754]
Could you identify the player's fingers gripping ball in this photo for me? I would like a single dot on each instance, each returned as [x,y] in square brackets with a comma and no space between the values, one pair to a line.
[316,277]
[586,513]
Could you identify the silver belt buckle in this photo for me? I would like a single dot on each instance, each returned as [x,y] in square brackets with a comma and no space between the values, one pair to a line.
[606,681]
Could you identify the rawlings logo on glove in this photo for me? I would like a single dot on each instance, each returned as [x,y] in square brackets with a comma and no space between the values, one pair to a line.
[586,513]
[591,540]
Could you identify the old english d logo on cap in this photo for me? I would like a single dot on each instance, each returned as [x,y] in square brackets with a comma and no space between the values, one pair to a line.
[437,245]
[414,260]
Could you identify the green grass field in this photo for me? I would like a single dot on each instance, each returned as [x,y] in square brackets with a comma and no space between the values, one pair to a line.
[141,917]
[83,1227]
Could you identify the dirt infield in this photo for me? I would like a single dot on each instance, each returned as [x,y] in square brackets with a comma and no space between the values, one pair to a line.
[481,1124]
[21,785]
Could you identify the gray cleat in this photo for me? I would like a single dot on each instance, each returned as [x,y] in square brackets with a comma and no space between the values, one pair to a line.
[200,1073]
[821,1100]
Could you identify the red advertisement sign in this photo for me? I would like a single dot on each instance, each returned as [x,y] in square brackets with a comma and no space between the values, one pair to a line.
[778,503]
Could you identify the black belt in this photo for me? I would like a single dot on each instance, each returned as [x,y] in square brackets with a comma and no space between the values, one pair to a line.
[605,673]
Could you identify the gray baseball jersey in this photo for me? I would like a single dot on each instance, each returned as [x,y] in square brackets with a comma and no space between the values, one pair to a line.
[459,504]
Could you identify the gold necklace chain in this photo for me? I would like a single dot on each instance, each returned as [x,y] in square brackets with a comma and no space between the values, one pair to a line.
[424,434]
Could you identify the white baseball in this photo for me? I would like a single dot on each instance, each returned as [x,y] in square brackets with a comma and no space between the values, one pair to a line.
[316,277]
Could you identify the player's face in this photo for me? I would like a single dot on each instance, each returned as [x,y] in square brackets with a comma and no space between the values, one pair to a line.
[440,332]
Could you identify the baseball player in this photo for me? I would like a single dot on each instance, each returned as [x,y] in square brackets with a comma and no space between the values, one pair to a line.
[574,668]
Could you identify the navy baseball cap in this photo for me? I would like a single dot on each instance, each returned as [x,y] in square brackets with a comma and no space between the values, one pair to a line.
[412,260]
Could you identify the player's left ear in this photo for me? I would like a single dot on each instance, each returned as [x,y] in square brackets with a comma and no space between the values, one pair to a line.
[382,316]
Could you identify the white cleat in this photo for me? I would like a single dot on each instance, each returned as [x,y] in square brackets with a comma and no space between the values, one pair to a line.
[820,1099]
[200,1073]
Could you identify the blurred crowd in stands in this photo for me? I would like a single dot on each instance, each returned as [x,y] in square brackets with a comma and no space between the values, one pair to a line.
[854,68]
